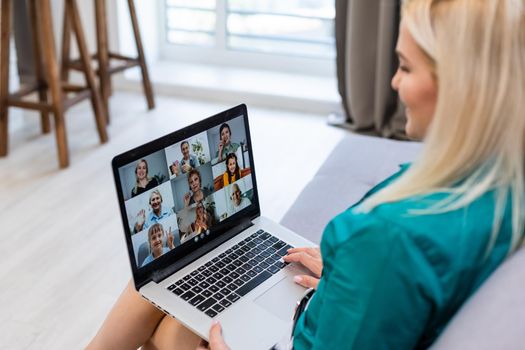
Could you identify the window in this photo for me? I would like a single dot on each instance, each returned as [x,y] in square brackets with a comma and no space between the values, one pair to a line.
[255,32]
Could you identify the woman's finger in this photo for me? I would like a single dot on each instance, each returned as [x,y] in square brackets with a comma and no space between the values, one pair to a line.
[216,341]
[313,251]
[313,264]
[306,281]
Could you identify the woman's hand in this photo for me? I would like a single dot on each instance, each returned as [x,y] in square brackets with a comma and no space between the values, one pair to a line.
[187,198]
[221,146]
[170,239]
[216,340]
[141,219]
[309,258]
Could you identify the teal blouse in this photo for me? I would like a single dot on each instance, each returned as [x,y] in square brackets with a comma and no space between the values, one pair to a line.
[392,280]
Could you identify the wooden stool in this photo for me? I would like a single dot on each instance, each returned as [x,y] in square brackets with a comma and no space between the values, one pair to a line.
[103,56]
[47,76]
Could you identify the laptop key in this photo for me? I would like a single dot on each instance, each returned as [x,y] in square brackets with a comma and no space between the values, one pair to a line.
[233,297]
[258,241]
[227,279]
[251,273]
[264,265]
[237,263]
[220,284]
[245,278]
[196,289]
[242,291]
[206,293]
[232,286]
[279,245]
[227,260]
[265,236]
[200,278]
[192,282]
[271,250]
[172,287]
[225,291]
[214,260]
[218,275]
[204,285]
[217,307]
[194,273]
[214,289]
[211,313]
[225,271]
[207,273]
[188,295]
[267,243]
[185,286]
[213,268]
[257,269]
[259,258]
[279,264]
[273,269]
[201,268]
[177,291]
[209,263]
[234,275]
[187,277]
[179,282]
[206,304]
[225,303]
[241,243]
[218,296]
[233,255]
[243,259]
[284,250]
[265,254]
[273,239]
[211,280]
[238,282]
[220,264]
[197,300]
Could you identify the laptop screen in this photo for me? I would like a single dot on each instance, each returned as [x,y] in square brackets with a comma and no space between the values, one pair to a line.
[176,195]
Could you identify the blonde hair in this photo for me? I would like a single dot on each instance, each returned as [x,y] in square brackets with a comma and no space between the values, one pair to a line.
[476,141]
[136,188]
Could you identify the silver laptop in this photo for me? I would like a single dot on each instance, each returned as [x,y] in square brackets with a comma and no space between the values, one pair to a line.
[198,247]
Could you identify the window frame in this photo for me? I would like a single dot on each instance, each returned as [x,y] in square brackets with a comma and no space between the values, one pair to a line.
[220,54]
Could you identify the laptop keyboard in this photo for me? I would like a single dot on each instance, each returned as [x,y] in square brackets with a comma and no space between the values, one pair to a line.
[219,283]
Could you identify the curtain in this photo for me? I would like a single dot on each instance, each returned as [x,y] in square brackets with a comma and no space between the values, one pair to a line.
[366,34]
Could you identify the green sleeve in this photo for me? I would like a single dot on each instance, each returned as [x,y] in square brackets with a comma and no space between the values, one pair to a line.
[377,290]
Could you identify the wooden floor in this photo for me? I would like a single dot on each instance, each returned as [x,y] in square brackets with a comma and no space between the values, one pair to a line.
[63,260]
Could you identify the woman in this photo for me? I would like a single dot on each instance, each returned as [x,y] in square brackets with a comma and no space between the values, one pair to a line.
[157,213]
[399,263]
[143,182]
[233,171]
[225,145]
[156,243]
[202,219]
[196,194]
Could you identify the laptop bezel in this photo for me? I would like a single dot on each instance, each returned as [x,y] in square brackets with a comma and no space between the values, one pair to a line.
[219,232]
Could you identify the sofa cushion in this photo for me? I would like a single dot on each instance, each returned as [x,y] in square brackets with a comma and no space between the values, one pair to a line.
[494,317]
[356,164]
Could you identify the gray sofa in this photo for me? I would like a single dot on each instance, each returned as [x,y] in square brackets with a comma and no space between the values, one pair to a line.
[493,318]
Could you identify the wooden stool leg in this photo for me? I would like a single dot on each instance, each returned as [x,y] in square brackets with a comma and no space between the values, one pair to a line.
[100,118]
[4,74]
[42,90]
[42,7]
[148,90]
[66,46]
[103,54]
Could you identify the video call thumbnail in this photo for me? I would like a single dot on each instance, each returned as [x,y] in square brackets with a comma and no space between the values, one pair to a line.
[175,195]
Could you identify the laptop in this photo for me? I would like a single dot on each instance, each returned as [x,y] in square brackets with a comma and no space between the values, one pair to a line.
[198,246]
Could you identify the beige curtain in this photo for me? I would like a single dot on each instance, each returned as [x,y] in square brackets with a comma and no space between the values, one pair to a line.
[366,34]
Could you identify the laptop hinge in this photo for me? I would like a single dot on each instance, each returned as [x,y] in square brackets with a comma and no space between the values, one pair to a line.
[161,274]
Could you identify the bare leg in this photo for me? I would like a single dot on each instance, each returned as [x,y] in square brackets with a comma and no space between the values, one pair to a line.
[134,322]
[170,334]
[130,323]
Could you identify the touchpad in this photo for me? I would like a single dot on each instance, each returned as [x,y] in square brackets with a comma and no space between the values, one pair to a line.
[281,299]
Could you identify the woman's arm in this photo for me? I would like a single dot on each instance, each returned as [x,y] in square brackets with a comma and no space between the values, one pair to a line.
[376,284]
